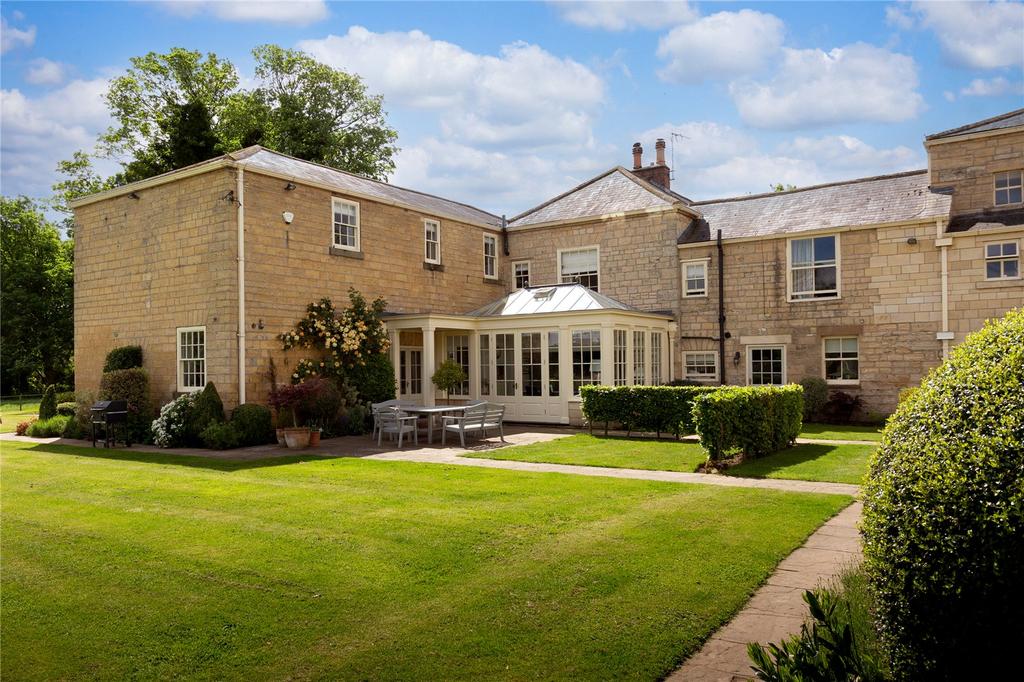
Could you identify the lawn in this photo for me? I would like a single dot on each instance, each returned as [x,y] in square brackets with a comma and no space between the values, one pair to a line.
[621,453]
[131,565]
[13,412]
[811,462]
[841,432]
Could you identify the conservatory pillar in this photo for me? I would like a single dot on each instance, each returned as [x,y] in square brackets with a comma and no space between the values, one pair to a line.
[396,359]
[428,366]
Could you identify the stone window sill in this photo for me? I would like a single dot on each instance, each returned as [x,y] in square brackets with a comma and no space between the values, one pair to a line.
[433,267]
[345,253]
[999,283]
[491,280]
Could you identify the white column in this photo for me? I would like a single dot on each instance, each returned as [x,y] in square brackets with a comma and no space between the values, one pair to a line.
[396,358]
[607,353]
[474,365]
[565,369]
[428,366]
[671,353]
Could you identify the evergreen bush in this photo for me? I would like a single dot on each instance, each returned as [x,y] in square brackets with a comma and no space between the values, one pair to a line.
[48,405]
[132,386]
[206,410]
[67,409]
[375,381]
[253,424]
[220,435]
[124,357]
[657,409]
[756,420]
[815,397]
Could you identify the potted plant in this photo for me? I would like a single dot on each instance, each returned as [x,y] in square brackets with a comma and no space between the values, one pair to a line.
[448,377]
[288,400]
[315,429]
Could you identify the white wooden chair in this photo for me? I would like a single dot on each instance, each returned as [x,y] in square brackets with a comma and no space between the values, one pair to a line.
[475,419]
[376,408]
[396,423]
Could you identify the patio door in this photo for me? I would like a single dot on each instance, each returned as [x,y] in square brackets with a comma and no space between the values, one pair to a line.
[410,374]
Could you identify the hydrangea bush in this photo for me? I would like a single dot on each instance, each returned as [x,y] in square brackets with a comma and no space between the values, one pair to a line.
[171,427]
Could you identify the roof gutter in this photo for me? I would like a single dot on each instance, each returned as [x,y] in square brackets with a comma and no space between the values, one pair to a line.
[156,180]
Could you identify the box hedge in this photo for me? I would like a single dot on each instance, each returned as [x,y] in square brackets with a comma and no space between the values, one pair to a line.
[131,385]
[657,409]
[755,420]
[944,515]
[123,357]
[253,423]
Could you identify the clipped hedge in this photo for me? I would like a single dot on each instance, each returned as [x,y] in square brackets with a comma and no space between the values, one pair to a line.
[48,405]
[658,409]
[756,420]
[944,515]
[131,385]
[67,409]
[253,423]
[123,357]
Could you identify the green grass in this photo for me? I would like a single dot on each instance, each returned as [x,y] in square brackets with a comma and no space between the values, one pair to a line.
[841,432]
[121,564]
[621,453]
[12,413]
[811,462]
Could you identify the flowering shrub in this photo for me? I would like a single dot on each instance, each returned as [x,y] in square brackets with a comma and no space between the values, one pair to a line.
[171,427]
[22,427]
[343,340]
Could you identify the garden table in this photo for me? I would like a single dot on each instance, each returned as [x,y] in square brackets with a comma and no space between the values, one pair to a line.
[430,412]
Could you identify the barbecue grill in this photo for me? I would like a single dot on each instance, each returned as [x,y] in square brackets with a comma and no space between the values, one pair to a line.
[109,415]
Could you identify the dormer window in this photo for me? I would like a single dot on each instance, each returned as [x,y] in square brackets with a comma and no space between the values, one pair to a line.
[1009,188]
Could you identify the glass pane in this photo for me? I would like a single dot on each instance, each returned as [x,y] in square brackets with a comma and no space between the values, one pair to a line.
[824,249]
[553,375]
[993,250]
[833,346]
[993,270]
[1010,249]
[803,280]
[850,345]
[1011,268]
[850,370]
[801,251]
[833,369]
[825,278]
[1014,195]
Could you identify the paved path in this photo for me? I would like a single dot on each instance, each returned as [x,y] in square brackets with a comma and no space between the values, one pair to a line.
[777,610]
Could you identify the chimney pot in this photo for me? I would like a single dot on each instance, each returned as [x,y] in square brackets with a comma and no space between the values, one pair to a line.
[638,154]
[659,148]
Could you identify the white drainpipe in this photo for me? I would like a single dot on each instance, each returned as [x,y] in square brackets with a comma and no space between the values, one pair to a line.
[944,242]
[240,198]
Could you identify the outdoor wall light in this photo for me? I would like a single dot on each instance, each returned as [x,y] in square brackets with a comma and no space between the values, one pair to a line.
[288,217]
[134,195]
[912,241]
[736,358]
[289,187]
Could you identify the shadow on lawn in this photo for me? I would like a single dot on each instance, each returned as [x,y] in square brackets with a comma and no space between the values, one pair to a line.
[763,466]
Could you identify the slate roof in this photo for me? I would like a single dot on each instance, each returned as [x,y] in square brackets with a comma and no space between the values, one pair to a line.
[1008,120]
[867,201]
[555,298]
[257,158]
[615,191]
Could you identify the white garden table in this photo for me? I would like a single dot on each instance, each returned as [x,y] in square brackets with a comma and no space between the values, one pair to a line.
[431,412]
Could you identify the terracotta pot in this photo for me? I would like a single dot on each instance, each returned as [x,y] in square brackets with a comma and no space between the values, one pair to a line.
[314,438]
[296,438]
[280,436]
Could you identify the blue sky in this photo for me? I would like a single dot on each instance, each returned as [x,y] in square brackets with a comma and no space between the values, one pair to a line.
[505,104]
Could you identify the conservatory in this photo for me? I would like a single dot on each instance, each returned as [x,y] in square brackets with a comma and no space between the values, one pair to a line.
[532,350]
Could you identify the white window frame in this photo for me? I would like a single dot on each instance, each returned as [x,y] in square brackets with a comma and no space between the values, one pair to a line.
[515,273]
[182,388]
[703,262]
[837,293]
[427,241]
[358,226]
[750,362]
[824,361]
[700,377]
[493,241]
[1001,259]
[596,342]
[592,247]
[1019,185]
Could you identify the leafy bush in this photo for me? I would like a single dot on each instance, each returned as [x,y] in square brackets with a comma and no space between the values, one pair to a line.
[375,381]
[906,394]
[124,357]
[170,429]
[207,409]
[321,403]
[661,409]
[22,428]
[357,418]
[815,397]
[73,429]
[48,405]
[67,409]
[220,436]
[48,428]
[841,407]
[253,423]
[287,400]
[131,385]
[756,420]
[65,397]
[944,515]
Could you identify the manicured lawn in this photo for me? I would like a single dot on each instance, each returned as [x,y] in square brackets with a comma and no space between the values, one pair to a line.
[811,462]
[841,432]
[13,413]
[621,453]
[131,565]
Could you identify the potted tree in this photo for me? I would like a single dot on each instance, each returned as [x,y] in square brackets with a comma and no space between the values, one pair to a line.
[288,400]
[448,377]
[320,405]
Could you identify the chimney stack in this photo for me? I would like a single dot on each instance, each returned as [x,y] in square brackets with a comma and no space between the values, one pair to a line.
[657,173]
[638,156]
[659,148]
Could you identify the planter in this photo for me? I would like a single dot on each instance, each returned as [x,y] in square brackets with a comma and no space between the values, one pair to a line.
[296,439]
[314,438]
[280,437]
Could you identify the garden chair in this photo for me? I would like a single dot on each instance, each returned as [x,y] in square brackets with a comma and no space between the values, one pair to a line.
[475,419]
[396,423]
[376,408]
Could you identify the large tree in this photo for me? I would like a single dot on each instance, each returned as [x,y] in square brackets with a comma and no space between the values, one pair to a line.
[36,327]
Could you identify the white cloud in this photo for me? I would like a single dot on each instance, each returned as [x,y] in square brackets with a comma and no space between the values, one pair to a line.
[45,72]
[896,16]
[525,95]
[38,132]
[702,143]
[992,87]
[982,35]
[12,38]
[858,82]
[296,12]
[842,153]
[722,44]
[619,16]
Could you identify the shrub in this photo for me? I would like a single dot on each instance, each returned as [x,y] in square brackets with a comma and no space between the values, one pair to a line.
[253,423]
[448,377]
[73,429]
[22,428]
[375,381]
[286,400]
[48,405]
[321,402]
[357,418]
[124,357]
[841,406]
[756,420]
[220,436]
[67,409]
[170,429]
[661,409]
[815,397]
[906,394]
[65,397]
[206,410]
[48,428]
[131,385]
[944,514]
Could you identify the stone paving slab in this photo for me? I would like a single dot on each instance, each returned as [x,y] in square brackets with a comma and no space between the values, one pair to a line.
[777,609]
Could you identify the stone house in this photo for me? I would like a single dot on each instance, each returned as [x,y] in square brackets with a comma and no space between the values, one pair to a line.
[866,283]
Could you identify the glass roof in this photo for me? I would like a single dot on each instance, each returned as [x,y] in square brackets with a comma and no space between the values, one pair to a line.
[555,298]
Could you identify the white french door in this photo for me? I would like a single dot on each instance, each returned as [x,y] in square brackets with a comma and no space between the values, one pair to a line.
[410,374]
[526,374]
